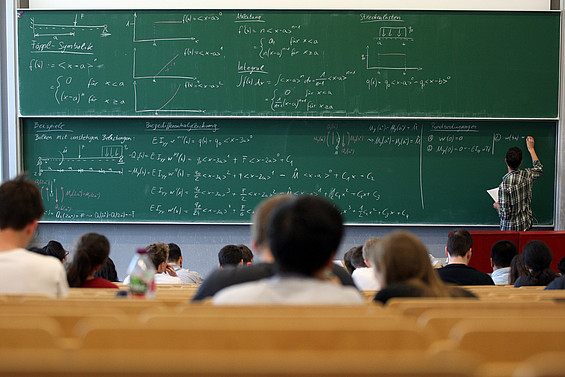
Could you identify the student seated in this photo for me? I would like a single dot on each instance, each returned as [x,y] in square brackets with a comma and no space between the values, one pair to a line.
[517,269]
[457,271]
[501,256]
[364,275]
[55,249]
[304,234]
[90,254]
[537,259]
[347,260]
[175,260]
[558,282]
[247,254]
[22,271]
[230,255]
[225,277]
[403,269]
[165,274]
[107,271]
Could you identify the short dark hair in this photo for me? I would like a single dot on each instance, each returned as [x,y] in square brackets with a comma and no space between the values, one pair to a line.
[514,157]
[230,255]
[107,271]
[502,253]
[246,254]
[20,203]
[459,241]
[55,249]
[174,253]
[304,234]
[357,259]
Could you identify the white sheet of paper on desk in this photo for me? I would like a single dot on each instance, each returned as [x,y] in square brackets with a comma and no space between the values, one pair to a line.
[493,194]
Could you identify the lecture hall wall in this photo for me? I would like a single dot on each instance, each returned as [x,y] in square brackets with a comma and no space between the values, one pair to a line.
[200,243]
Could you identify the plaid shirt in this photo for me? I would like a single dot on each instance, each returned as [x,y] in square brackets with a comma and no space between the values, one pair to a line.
[515,198]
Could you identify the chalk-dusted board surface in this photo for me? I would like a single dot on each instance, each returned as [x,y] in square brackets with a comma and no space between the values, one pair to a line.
[421,64]
[217,170]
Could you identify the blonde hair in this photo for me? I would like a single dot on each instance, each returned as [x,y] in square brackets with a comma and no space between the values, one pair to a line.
[402,257]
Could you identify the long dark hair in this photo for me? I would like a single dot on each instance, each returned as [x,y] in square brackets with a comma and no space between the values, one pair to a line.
[92,251]
[537,258]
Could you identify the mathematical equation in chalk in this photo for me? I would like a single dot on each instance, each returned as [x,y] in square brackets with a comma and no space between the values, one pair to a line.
[141,170]
[219,63]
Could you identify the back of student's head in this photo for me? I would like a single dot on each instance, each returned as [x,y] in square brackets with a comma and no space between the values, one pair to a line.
[20,203]
[502,253]
[400,257]
[174,253]
[514,157]
[537,256]
[246,253]
[357,259]
[107,271]
[91,252]
[158,252]
[230,255]
[347,260]
[55,249]
[459,241]
[304,234]
[517,268]
[261,215]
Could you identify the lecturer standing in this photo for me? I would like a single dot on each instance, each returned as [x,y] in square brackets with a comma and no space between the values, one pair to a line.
[515,191]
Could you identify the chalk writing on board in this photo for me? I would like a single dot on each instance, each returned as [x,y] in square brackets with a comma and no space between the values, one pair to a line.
[271,63]
[176,169]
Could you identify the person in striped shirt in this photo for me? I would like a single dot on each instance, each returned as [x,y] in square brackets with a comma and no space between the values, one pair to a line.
[515,191]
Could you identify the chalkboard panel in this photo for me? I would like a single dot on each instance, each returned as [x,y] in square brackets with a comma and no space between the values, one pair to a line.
[289,63]
[217,170]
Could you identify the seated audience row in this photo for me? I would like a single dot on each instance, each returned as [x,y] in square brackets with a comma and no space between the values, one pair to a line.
[295,237]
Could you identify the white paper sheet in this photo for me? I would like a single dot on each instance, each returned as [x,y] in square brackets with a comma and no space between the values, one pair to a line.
[493,194]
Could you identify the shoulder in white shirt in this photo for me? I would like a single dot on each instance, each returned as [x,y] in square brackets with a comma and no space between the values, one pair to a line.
[288,291]
[25,272]
[365,279]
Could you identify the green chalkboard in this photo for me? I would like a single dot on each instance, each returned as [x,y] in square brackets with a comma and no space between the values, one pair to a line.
[217,170]
[421,64]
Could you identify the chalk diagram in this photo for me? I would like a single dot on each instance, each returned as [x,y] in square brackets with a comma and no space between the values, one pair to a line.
[389,51]
[81,163]
[59,30]
[168,77]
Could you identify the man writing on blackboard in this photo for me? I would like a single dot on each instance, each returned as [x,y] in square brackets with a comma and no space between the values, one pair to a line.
[515,191]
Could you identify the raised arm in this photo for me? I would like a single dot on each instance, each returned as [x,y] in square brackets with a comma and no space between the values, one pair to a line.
[530,145]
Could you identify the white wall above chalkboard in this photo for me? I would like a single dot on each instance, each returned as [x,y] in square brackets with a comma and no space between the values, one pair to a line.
[296,4]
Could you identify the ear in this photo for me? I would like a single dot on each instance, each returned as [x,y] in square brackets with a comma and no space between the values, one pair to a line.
[447,255]
[469,254]
[180,261]
[31,227]
[367,263]
[491,264]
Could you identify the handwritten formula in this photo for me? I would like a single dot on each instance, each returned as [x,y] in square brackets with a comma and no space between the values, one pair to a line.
[218,170]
